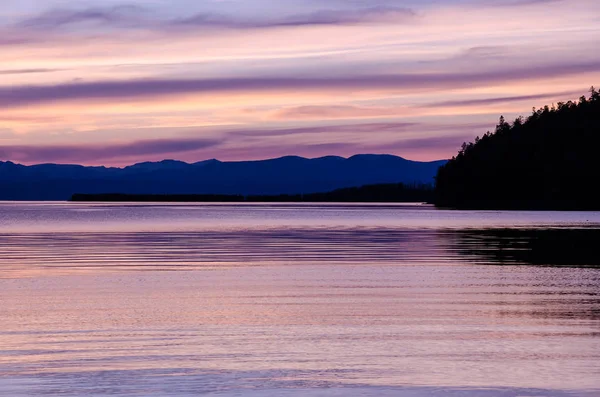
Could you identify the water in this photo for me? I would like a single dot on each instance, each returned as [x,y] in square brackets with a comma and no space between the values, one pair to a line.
[297,300]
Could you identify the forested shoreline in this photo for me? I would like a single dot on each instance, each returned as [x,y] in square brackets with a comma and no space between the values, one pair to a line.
[398,192]
[547,161]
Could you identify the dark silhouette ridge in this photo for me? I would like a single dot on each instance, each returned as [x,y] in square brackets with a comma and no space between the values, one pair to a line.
[546,161]
[397,193]
[289,175]
[158,198]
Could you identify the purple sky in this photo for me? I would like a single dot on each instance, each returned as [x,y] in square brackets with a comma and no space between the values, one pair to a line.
[111,82]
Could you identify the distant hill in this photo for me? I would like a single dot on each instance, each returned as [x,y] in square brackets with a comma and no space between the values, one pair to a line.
[285,175]
[547,161]
[385,193]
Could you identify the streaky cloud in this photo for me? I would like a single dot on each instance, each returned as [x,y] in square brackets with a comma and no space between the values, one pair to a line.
[117,16]
[10,37]
[28,71]
[151,88]
[430,142]
[135,17]
[89,152]
[341,17]
[521,3]
[228,143]
[497,100]
[336,17]
[337,128]
[335,111]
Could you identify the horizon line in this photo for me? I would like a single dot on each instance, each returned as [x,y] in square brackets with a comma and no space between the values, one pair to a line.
[220,161]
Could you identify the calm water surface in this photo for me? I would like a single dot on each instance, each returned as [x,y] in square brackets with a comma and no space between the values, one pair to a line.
[297,300]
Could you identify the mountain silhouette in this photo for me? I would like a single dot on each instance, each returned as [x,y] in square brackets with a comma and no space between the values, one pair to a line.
[285,175]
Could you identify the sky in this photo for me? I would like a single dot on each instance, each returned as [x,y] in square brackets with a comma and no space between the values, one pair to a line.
[114,82]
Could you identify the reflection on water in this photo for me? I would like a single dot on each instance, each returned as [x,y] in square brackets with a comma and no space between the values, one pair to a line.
[297,300]
[551,247]
[35,254]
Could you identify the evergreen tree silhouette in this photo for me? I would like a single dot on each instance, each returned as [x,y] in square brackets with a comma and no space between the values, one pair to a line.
[546,161]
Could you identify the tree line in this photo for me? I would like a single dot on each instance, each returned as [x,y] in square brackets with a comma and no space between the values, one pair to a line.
[396,192]
[548,160]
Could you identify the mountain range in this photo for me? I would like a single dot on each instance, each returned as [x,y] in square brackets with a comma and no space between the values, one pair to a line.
[285,175]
